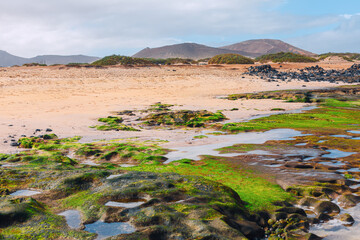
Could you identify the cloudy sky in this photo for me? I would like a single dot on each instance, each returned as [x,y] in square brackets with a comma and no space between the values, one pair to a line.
[104,27]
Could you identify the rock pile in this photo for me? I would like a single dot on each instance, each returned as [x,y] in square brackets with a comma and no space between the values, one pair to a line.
[309,74]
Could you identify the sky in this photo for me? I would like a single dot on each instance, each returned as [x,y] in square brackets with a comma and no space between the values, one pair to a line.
[105,27]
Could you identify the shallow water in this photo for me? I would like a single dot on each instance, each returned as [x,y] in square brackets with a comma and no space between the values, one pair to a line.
[105,230]
[259,152]
[114,176]
[90,163]
[333,163]
[341,136]
[334,230]
[354,131]
[301,144]
[25,193]
[126,165]
[124,204]
[334,153]
[194,151]
[72,217]
[300,110]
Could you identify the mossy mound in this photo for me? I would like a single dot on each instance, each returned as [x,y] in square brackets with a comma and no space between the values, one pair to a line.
[183,118]
[121,60]
[113,123]
[285,57]
[230,58]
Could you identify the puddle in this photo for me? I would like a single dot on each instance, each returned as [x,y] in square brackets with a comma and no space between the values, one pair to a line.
[301,144]
[355,186]
[25,193]
[260,152]
[273,165]
[333,163]
[194,151]
[90,163]
[354,131]
[114,176]
[126,165]
[8,165]
[125,204]
[341,136]
[105,230]
[334,153]
[356,138]
[321,141]
[72,218]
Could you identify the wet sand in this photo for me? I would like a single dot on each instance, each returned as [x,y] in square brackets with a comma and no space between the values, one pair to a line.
[69,100]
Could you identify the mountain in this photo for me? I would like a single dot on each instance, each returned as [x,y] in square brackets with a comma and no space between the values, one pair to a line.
[7,60]
[184,50]
[259,47]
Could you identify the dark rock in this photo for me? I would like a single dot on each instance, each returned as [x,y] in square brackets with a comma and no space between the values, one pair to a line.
[48,130]
[349,200]
[14,144]
[347,218]
[290,210]
[250,229]
[308,202]
[324,217]
[326,207]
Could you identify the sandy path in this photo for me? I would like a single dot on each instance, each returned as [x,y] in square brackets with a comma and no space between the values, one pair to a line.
[70,100]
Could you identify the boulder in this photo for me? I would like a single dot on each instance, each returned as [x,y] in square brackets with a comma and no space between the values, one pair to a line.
[326,207]
[347,218]
[349,200]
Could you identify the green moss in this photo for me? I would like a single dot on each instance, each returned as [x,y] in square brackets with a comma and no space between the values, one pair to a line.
[158,107]
[324,119]
[257,192]
[113,123]
[32,220]
[183,118]
[200,137]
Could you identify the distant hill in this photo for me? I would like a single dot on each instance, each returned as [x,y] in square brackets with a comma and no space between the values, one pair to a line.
[259,47]
[7,60]
[184,50]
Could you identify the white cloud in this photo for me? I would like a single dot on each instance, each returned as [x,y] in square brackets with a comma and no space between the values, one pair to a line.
[343,38]
[97,26]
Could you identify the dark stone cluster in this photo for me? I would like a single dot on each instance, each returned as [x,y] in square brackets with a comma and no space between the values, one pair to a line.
[309,74]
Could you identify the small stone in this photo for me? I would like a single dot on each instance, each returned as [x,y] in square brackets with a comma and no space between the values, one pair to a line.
[347,218]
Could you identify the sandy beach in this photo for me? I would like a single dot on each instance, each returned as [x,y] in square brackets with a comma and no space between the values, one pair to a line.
[69,100]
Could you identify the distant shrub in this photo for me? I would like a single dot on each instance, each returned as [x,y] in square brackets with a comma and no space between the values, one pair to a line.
[34,65]
[76,64]
[230,58]
[285,57]
[121,60]
[203,60]
[346,56]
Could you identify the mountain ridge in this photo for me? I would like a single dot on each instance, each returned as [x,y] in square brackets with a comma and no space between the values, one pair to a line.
[250,48]
[259,47]
[184,50]
[8,60]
